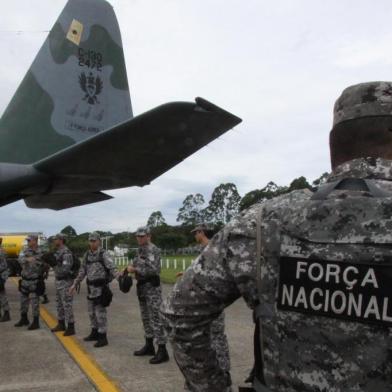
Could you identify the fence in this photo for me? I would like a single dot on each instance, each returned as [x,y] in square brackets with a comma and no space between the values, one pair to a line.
[166,263]
[121,261]
[175,263]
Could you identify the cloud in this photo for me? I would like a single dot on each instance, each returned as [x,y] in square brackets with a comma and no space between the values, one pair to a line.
[279,66]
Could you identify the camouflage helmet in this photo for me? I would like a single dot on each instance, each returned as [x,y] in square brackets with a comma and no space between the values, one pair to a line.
[60,236]
[363,100]
[94,236]
[142,231]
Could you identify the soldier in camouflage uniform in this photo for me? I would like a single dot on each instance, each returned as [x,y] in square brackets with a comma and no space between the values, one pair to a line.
[64,276]
[4,273]
[315,267]
[147,267]
[219,343]
[100,271]
[31,285]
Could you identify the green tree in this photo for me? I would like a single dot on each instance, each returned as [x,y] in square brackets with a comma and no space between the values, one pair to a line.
[191,211]
[171,240]
[156,219]
[268,192]
[69,231]
[299,183]
[224,204]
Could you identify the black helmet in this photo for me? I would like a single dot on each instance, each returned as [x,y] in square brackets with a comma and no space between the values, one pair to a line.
[125,282]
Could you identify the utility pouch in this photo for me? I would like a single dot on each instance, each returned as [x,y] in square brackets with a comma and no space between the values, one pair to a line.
[40,290]
[107,296]
[155,281]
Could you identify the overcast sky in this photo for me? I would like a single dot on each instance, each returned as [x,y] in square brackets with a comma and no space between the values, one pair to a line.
[278,65]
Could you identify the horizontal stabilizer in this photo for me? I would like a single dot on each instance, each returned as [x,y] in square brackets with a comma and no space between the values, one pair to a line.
[61,201]
[139,150]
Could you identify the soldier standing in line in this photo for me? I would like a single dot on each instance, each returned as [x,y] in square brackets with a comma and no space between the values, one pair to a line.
[32,284]
[219,342]
[315,267]
[4,273]
[100,270]
[147,268]
[64,276]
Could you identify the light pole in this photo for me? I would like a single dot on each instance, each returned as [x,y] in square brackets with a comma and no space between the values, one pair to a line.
[105,239]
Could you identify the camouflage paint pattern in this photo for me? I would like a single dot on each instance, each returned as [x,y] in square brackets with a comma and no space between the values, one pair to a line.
[31,272]
[147,261]
[63,282]
[32,299]
[96,271]
[150,300]
[79,87]
[363,100]
[219,342]
[4,273]
[147,264]
[98,316]
[63,268]
[302,352]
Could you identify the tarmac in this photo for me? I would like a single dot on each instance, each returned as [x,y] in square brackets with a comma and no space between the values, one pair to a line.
[40,361]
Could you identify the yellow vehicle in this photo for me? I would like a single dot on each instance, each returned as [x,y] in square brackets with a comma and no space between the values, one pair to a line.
[13,243]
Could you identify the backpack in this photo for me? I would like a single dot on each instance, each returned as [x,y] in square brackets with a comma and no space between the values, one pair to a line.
[100,260]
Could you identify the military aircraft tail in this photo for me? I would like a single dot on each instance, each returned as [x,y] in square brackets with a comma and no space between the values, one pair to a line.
[76,87]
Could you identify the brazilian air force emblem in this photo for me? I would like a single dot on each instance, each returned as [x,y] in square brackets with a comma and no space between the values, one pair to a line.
[92,86]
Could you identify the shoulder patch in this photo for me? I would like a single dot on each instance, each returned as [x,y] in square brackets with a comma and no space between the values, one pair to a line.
[338,289]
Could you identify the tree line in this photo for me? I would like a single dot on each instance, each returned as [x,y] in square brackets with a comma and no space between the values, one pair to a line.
[225,202]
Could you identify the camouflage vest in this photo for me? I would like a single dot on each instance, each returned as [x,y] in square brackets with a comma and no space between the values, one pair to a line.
[326,294]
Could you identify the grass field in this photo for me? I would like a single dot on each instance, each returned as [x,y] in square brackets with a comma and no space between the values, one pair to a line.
[170,266]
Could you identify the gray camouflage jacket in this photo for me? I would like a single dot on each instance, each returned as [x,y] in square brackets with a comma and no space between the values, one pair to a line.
[96,271]
[148,261]
[4,273]
[31,270]
[302,351]
[64,258]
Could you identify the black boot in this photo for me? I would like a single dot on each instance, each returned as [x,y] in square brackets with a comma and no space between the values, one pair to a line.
[70,330]
[147,349]
[35,324]
[102,340]
[59,327]
[45,299]
[161,356]
[93,336]
[6,317]
[23,320]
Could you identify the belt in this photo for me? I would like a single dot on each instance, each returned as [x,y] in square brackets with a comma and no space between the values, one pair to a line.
[97,282]
[30,279]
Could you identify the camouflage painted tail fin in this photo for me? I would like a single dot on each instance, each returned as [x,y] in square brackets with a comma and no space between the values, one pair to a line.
[76,87]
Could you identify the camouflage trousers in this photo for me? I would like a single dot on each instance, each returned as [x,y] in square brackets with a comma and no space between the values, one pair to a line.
[4,305]
[32,298]
[150,299]
[221,347]
[98,316]
[219,342]
[64,301]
